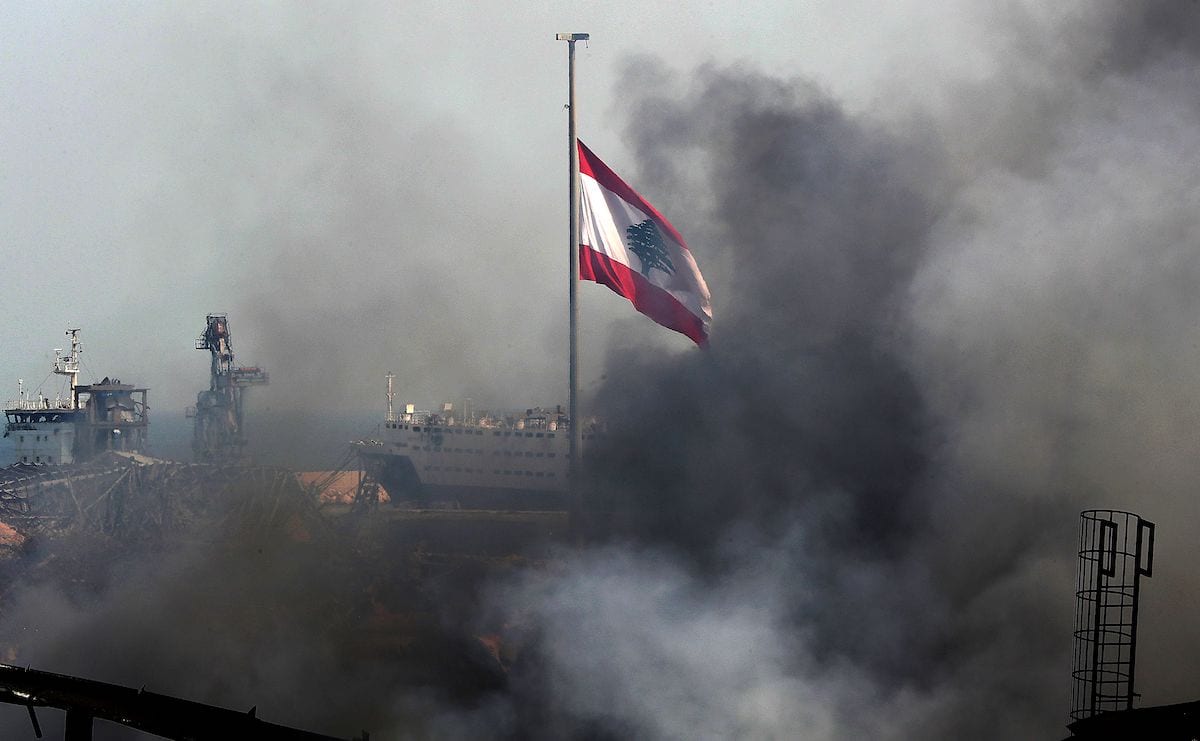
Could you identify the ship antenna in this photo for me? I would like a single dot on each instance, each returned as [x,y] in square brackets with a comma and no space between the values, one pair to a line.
[68,364]
[391,414]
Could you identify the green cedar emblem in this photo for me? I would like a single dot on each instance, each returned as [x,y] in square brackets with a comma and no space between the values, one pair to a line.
[646,242]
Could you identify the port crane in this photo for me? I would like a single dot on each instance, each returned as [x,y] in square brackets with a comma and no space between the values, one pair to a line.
[219,413]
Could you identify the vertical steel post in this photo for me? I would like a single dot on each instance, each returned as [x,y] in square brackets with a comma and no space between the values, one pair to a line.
[78,726]
[573,491]
[1141,568]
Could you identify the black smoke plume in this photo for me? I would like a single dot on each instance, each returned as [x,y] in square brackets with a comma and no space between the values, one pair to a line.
[938,336]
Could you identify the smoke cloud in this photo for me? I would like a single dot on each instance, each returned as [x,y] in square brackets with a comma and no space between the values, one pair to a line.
[939,335]
[942,328]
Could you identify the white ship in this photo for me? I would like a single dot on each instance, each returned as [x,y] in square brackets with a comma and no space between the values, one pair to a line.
[512,461]
[79,423]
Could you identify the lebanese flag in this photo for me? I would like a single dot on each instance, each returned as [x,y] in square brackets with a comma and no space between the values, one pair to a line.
[627,245]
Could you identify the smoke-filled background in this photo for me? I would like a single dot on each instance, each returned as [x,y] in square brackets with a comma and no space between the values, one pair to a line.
[953,262]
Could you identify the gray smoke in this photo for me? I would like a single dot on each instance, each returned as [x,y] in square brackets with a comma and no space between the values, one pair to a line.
[309,171]
[938,337]
[942,329]
[321,628]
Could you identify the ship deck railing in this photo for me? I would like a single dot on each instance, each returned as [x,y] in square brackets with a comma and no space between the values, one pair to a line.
[39,405]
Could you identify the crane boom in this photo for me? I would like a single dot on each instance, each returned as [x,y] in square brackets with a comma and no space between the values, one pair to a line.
[219,433]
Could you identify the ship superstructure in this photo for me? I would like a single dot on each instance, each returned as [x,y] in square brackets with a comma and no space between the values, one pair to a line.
[87,420]
[490,461]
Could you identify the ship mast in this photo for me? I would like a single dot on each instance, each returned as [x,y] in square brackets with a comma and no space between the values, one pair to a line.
[391,396]
[68,364]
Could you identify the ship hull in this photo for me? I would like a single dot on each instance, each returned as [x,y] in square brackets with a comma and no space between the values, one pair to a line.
[398,475]
[469,467]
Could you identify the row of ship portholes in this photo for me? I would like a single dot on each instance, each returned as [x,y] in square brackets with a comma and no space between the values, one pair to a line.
[39,438]
[497,471]
[37,459]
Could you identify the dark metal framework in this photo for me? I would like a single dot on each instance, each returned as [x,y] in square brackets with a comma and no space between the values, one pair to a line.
[1116,549]
[162,715]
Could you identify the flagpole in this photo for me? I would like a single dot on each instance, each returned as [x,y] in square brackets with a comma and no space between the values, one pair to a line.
[573,491]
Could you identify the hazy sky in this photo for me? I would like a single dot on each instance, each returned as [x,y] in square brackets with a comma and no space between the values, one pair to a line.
[952,256]
[363,186]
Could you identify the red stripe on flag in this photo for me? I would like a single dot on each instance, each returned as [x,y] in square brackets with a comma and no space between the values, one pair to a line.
[591,166]
[646,297]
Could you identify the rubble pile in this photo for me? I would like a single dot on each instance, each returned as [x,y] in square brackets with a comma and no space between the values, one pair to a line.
[238,567]
[141,501]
